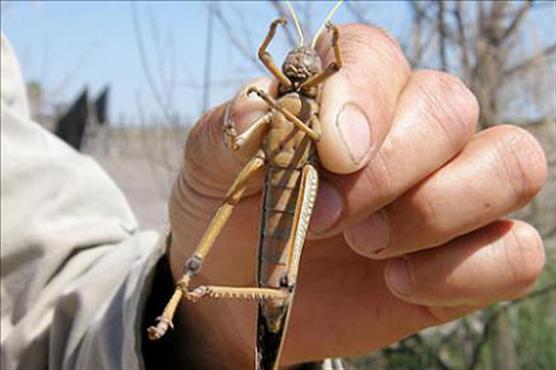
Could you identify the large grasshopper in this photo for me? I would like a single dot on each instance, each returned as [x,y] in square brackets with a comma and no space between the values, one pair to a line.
[291,128]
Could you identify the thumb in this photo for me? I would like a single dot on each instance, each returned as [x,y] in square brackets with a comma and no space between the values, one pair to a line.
[210,166]
[358,103]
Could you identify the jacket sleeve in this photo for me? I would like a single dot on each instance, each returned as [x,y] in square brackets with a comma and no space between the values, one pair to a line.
[75,271]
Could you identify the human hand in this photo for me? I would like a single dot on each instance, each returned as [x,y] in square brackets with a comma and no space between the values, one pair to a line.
[408,230]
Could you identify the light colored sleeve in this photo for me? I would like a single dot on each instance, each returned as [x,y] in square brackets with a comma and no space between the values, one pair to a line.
[75,271]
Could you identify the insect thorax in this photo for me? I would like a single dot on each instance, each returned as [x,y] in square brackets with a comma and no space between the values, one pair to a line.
[286,145]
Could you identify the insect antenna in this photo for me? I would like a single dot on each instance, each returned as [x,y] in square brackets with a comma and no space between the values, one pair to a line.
[326,20]
[296,22]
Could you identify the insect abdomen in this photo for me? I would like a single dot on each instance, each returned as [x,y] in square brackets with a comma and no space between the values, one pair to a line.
[279,201]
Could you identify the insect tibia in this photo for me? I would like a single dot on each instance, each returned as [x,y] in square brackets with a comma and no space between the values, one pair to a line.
[236,293]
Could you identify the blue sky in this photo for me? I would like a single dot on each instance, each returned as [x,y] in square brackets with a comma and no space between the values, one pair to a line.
[66,45]
[69,44]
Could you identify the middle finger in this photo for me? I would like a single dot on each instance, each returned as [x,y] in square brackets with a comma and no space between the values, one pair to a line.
[499,171]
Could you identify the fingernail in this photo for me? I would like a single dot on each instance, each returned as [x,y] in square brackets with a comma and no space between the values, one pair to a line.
[328,208]
[398,277]
[354,130]
[369,236]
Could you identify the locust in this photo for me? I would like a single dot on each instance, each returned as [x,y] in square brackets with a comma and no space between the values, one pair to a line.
[290,128]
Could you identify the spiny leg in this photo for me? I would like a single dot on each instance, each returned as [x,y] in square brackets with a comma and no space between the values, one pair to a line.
[304,210]
[193,264]
[331,68]
[212,291]
[266,58]
[270,340]
[289,115]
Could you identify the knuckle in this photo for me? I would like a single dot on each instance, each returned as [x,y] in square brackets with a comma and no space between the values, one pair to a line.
[521,162]
[454,109]
[380,175]
[357,37]
[428,215]
[526,255]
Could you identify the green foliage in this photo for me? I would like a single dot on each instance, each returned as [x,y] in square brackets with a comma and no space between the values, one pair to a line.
[470,343]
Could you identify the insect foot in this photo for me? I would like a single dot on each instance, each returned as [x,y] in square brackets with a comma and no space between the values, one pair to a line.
[162,325]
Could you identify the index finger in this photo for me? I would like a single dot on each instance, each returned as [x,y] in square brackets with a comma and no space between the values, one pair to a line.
[358,102]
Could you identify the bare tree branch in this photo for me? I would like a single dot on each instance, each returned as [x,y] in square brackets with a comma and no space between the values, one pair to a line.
[417,33]
[441,26]
[158,97]
[462,39]
[308,18]
[246,52]
[529,62]
[547,234]
[208,56]
[357,12]
[282,13]
[244,24]
[73,70]
[522,11]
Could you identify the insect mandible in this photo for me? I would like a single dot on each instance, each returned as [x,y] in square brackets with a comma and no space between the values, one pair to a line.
[288,154]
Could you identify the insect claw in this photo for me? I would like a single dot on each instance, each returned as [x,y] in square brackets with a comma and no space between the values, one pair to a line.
[157,331]
[231,137]
[154,332]
[229,129]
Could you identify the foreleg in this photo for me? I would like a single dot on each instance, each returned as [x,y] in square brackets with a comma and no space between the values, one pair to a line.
[266,58]
[235,141]
[289,115]
[333,67]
